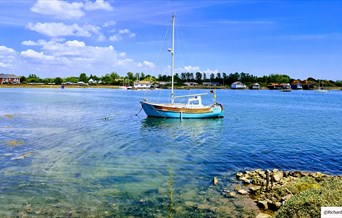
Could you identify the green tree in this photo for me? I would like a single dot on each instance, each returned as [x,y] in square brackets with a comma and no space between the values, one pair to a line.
[72,79]
[204,77]
[83,77]
[338,83]
[33,78]
[58,80]
[23,79]
[130,75]
[183,77]
[114,76]
[212,77]
[198,77]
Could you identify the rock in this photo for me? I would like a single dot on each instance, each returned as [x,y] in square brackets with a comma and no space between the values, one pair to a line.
[215,181]
[245,180]
[263,215]
[277,176]
[259,181]
[297,174]
[286,197]
[242,192]
[262,174]
[239,175]
[275,170]
[263,204]
[254,189]
[305,173]
[232,194]
[274,205]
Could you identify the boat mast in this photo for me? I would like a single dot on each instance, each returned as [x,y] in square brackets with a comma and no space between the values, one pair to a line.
[172,50]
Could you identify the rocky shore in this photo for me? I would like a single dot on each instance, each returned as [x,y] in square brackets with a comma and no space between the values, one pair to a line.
[271,189]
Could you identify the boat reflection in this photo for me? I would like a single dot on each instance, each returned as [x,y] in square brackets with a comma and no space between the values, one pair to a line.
[193,129]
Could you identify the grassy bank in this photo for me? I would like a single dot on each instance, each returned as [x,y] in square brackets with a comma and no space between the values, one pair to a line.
[314,195]
[291,194]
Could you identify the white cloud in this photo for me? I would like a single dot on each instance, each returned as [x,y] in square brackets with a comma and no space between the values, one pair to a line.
[191,68]
[97,5]
[109,23]
[75,56]
[68,10]
[29,43]
[115,38]
[59,9]
[60,29]
[122,54]
[149,64]
[37,55]
[6,51]
[209,71]
[7,57]
[120,34]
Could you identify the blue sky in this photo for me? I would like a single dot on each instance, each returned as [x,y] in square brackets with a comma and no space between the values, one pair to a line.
[65,38]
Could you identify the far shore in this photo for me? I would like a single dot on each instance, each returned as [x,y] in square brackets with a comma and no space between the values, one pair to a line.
[118,87]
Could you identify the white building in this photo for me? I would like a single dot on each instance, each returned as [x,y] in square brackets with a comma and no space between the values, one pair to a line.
[238,85]
[142,85]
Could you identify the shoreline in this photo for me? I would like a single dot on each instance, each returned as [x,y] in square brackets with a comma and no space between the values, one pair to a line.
[119,87]
[287,193]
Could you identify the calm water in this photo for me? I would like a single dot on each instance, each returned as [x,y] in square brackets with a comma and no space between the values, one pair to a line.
[85,152]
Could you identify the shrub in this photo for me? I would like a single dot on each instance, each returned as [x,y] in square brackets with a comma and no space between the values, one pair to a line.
[308,203]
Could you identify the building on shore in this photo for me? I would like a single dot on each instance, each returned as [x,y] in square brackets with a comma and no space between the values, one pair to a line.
[273,86]
[296,85]
[190,84]
[238,85]
[211,83]
[142,85]
[255,86]
[9,78]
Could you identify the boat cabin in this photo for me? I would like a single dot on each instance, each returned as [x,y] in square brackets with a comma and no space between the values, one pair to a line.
[195,101]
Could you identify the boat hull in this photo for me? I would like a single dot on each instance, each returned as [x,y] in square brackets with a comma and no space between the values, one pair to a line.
[163,111]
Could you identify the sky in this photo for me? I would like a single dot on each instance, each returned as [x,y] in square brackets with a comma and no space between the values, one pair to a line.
[55,38]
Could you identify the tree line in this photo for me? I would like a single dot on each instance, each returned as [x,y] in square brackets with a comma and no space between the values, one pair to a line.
[224,79]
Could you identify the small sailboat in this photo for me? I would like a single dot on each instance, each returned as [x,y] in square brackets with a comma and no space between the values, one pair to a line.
[320,88]
[193,109]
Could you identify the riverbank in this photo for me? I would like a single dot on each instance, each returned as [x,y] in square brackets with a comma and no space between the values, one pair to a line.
[118,87]
[288,194]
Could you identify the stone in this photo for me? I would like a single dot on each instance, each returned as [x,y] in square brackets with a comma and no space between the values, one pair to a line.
[277,176]
[263,204]
[245,180]
[262,174]
[286,197]
[297,174]
[215,181]
[232,194]
[242,192]
[263,215]
[254,189]
[239,175]
[274,205]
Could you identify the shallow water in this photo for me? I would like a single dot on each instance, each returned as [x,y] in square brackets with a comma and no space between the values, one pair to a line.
[85,152]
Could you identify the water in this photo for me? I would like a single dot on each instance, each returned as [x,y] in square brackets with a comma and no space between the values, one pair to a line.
[84,152]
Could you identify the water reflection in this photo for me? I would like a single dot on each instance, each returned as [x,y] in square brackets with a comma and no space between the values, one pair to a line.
[195,129]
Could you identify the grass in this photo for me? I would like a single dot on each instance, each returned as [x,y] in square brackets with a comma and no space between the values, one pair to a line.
[312,196]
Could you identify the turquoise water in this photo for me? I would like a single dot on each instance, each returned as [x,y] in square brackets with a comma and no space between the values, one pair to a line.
[85,152]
